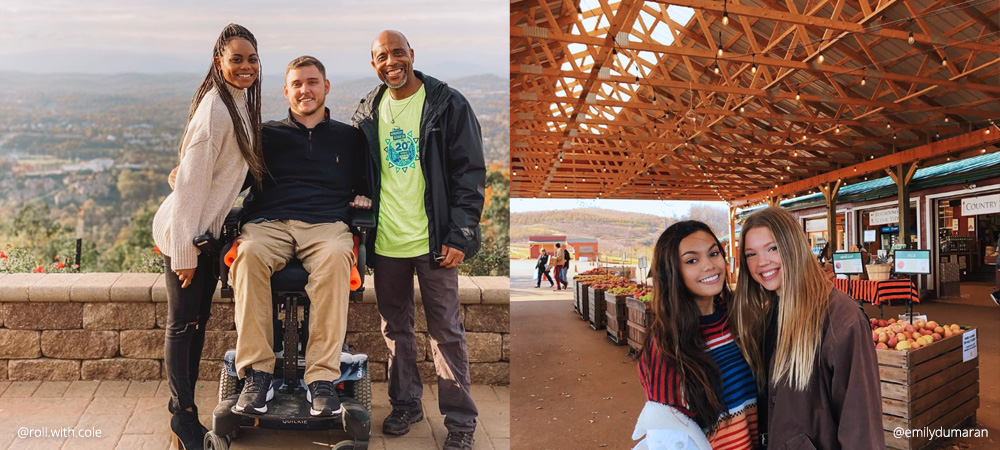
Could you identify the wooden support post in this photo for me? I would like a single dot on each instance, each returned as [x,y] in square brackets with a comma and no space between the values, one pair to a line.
[830,191]
[901,175]
[731,248]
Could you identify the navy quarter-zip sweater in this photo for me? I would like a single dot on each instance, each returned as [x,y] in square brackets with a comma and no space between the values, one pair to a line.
[312,175]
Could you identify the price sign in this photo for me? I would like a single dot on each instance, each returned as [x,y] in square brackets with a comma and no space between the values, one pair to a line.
[847,263]
[970,345]
[913,262]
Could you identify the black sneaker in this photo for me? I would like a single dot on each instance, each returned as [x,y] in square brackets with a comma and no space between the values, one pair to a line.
[996,297]
[324,400]
[399,420]
[253,399]
[459,440]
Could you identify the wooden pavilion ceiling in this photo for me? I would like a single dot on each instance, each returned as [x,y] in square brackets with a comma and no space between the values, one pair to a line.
[618,99]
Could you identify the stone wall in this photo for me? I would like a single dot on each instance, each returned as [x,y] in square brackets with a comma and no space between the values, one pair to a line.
[110,326]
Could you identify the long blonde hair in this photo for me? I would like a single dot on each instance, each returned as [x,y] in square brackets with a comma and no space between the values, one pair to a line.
[805,295]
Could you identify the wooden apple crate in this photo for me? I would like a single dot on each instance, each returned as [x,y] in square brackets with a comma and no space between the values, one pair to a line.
[582,306]
[639,318]
[595,301]
[616,317]
[928,387]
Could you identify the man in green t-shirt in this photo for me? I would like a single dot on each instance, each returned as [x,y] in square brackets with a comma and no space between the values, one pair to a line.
[428,188]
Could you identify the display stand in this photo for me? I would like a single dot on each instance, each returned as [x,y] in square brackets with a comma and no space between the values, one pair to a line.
[848,263]
[912,262]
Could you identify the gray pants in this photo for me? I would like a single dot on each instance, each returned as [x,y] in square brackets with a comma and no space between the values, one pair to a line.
[439,292]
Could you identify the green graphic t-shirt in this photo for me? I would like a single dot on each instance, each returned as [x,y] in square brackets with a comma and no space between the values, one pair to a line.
[402,219]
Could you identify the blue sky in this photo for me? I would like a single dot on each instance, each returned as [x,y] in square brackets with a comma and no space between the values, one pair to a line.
[111,36]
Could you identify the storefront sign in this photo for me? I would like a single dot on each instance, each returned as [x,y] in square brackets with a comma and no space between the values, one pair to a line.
[913,261]
[883,216]
[987,204]
[869,235]
[892,229]
[970,346]
[847,263]
[815,225]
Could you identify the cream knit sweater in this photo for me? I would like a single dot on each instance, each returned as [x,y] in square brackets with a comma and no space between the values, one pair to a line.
[209,178]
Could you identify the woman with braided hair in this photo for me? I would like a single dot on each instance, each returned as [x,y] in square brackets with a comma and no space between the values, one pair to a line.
[221,144]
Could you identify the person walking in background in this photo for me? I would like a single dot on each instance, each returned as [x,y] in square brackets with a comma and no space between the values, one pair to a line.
[429,182]
[565,267]
[221,144]
[808,343]
[557,266]
[700,391]
[542,268]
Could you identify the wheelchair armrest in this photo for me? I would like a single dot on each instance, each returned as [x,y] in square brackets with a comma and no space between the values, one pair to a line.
[362,218]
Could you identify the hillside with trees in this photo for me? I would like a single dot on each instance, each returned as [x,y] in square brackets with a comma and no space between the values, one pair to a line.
[616,231]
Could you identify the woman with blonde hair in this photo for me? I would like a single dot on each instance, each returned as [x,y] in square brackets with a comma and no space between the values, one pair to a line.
[808,343]
[221,144]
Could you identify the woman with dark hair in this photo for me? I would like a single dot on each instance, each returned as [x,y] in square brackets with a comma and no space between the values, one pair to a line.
[808,344]
[700,391]
[221,144]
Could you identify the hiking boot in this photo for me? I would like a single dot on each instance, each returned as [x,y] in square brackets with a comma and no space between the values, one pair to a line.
[257,391]
[323,398]
[399,420]
[459,440]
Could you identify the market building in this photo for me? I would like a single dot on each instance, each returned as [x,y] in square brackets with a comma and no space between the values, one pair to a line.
[875,123]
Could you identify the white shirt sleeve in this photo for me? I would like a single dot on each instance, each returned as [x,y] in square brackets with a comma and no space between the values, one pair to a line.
[663,427]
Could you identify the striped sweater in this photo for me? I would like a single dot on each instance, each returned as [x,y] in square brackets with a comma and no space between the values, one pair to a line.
[737,426]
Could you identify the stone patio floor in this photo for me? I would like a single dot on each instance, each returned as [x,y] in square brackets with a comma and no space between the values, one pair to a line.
[133,415]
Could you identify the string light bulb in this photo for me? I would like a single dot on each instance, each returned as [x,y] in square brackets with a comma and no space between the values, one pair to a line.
[944,61]
[888,125]
[910,38]
[725,17]
[837,130]
[797,96]
[753,68]
[720,50]
[716,68]
[821,58]
[862,81]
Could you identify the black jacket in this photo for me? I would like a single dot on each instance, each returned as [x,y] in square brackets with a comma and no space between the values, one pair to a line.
[543,262]
[312,174]
[451,157]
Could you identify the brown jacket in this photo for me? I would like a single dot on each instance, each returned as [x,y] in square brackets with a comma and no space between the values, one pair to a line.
[841,407]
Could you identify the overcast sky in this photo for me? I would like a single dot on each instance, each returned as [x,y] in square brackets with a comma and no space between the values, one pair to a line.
[662,208]
[463,37]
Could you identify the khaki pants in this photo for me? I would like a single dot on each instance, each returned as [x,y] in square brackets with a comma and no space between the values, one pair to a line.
[326,252]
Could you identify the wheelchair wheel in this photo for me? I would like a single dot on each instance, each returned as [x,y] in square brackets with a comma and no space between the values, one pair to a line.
[215,442]
[228,385]
[361,391]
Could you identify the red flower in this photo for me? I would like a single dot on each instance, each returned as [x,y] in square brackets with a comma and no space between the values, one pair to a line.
[60,265]
[156,249]
[39,269]
[3,255]
[76,266]
[56,258]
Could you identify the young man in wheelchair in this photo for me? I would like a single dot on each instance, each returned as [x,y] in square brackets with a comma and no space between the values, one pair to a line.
[315,168]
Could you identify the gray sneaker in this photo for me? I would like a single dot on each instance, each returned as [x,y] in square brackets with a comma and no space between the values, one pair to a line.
[324,400]
[257,391]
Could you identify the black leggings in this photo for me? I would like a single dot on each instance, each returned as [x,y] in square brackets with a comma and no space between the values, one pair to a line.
[188,310]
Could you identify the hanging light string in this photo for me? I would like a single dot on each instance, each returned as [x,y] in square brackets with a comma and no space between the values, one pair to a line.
[869,30]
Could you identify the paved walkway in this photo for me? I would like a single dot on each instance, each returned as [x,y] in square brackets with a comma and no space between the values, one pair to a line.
[133,416]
